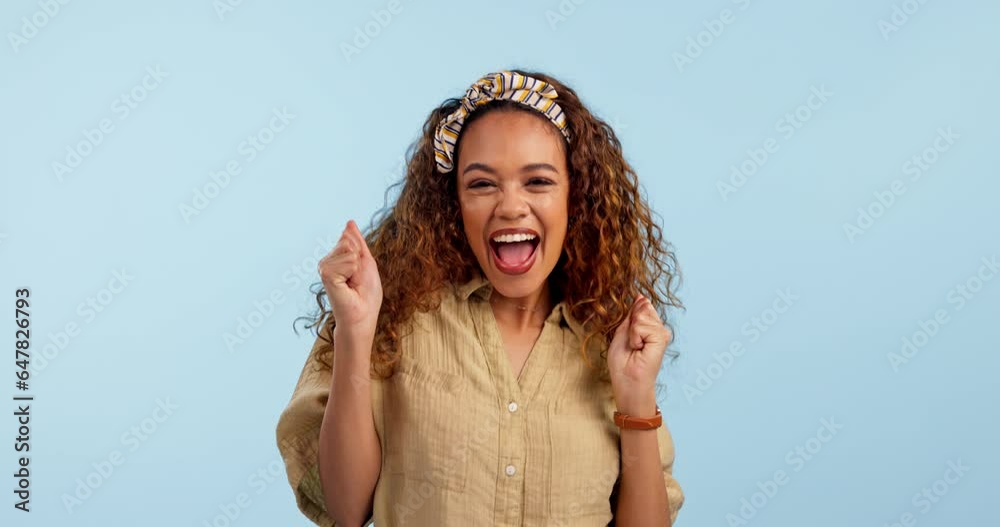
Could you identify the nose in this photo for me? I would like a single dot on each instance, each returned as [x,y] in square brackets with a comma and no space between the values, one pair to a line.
[512,205]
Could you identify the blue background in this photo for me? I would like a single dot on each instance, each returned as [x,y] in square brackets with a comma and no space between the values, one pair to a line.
[684,120]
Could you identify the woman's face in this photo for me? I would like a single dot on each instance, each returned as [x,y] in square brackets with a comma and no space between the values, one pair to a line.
[513,190]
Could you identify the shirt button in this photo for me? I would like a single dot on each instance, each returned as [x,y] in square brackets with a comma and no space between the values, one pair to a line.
[512,407]
[510,470]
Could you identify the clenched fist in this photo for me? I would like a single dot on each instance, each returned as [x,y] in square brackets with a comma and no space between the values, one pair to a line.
[352,283]
[634,358]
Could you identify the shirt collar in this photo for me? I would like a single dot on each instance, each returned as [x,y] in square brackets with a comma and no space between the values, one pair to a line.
[480,287]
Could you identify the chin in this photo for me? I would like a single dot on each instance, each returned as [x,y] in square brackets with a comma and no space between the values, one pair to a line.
[520,285]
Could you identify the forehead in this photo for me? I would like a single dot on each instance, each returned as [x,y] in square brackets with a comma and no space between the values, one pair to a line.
[511,139]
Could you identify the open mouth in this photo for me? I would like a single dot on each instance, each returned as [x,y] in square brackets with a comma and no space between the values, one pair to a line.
[514,253]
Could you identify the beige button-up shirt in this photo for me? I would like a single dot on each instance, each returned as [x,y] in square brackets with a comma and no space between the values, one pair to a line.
[464,441]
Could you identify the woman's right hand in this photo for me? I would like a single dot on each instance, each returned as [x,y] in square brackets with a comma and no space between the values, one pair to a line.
[350,276]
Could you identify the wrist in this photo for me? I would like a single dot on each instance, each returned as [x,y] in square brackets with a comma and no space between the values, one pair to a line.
[639,406]
[353,336]
[352,349]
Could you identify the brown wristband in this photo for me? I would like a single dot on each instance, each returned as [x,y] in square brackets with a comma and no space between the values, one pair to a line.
[629,422]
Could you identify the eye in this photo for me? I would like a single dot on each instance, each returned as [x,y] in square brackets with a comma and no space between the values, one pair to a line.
[540,181]
[480,183]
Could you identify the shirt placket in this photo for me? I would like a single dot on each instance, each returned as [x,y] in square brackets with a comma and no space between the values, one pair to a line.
[514,399]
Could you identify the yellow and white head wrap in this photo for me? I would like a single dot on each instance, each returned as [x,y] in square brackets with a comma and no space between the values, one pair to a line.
[528,91]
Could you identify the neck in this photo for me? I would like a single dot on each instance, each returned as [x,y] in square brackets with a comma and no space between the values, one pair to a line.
[522,313]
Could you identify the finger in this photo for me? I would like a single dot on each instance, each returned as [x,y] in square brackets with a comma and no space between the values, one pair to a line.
[636,337]
[653,326]
[359,237]
[343,264]
[635,305]
[350,235]
[637,308]
[346,234]
[647,324]
[346,245]
[648,317]
[647,313]
[364,246]
[655,331]
[340,264]
[651,311]
[339,277]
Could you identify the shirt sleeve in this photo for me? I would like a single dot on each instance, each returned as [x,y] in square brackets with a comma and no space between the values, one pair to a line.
[675,495]
[298,435]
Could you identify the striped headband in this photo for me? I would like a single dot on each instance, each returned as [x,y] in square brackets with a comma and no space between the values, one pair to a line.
[528,91]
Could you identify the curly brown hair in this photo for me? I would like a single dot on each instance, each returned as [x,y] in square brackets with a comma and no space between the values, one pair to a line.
[420,245]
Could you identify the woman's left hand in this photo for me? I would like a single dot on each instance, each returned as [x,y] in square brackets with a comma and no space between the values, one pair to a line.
[634,357]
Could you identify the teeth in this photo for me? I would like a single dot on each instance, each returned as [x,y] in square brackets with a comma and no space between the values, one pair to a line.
[512,238]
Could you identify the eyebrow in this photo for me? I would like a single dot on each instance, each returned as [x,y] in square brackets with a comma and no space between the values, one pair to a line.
[526,168]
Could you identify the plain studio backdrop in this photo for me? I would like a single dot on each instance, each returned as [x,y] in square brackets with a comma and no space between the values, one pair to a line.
[825,170]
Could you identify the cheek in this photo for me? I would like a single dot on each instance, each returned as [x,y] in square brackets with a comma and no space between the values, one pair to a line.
[555,220]
[555,209]
[472,221]
[473,217]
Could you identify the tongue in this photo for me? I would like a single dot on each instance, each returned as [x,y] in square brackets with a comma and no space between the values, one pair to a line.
[515,253]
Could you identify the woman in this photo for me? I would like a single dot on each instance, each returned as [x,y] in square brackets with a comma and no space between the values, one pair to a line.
[491,352]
